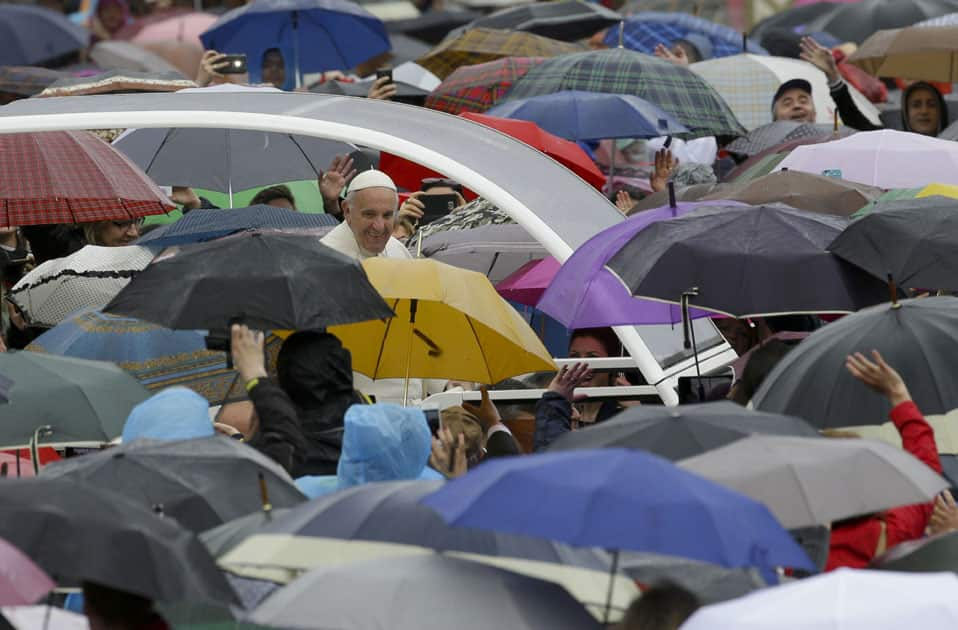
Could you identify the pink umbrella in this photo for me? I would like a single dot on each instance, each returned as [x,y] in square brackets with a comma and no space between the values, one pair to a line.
[179,28]
[21,581]
[527,284]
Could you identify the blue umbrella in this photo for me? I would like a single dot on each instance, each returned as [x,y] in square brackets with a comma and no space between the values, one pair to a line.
[323,34]
[32,35]
[577,115]
[205,225]
[643,32]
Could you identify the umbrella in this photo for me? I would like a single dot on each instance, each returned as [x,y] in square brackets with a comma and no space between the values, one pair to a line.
[270,280]
[527,283]
[847,599]
[119,82]
[886,158]
[88,278]
[41,616]
[405,93]
[132,27]
[900,194]
[479,45]
[915,337]
[22,582]
[645,31]
[77,532]
[935,553]
[919,52]
[64,400]
[433,25]
[765,162]
[405,49]
[206,225]
[709,582]
[909,239]
[495,251]
[185,56]
[749,82]
[71,177]
[26,80]
[120,55]
[182,27]
[746,262]
[226,160]
[816,481]
[781,131]
[855,22]
[576,115]
[33,35]
[680,432]
[794,18]
[200,482]
[566,153]
[477,213]
[565,20]
[679,92]
[450,323]
[478,87]
[403,595]
[224,538]
[323,34]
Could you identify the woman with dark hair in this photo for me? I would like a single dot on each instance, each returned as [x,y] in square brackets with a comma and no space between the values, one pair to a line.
[591,343]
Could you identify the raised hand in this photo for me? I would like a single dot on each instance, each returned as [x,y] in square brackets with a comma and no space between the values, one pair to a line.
[665,165]
[486,412]
[676,55]
[879,376]
[382,89]
[334,179]
[820,57]
[449,454]
[247,348]
[569,378]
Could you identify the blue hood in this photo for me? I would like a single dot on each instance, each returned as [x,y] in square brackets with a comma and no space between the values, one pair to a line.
[176,413]
[383,443]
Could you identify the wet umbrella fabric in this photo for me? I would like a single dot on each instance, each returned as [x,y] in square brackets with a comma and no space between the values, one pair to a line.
[775,133]
[32,35]
[935,553]
[22,582]
[855,22]
[495,251]
[709,582]
[206,225]
[643,32]
[26,80]
[566,20]
[478,87]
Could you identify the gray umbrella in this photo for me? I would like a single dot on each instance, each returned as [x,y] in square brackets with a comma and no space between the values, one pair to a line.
[781,131]
[494,250]
[431,592]
[709,582]
[937,553]
[121,55]
[919,339]
[816,481]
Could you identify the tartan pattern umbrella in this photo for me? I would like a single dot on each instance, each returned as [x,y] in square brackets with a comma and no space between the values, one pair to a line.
[648,29]
[675,89]
[480,45]
[478,87]
[26,80]
[71,177]
[782,131]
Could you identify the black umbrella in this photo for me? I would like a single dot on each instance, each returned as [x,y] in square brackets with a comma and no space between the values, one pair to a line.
[432,26]
[856,22]
[746,262]
[919,338]
[200,482]
[912,239]
[271,280]
[405,92]
[566,20]
[710,583]
[76,532]
[792,19]
[937,553]
[680,432]
[34,35]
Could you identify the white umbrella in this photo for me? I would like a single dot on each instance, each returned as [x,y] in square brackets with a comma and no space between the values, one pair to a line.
[842,600]
[412,73]
[88,278]
[748,83]
[35,617]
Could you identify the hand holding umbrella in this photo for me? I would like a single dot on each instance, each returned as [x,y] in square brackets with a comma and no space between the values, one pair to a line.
[879,376]
[944,518]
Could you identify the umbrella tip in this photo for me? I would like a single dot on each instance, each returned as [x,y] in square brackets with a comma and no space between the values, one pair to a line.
[893,290]
[621,33]
[672,203]
[264,493]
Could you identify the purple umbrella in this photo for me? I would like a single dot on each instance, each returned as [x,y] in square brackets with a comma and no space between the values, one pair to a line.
[22,582]
[585,294]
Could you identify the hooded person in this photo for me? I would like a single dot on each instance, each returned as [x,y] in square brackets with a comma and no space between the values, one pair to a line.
[175,413]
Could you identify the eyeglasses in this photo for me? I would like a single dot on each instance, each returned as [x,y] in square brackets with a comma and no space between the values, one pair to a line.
[436,182]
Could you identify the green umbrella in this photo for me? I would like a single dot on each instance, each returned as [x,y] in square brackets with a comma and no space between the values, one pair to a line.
[79,401]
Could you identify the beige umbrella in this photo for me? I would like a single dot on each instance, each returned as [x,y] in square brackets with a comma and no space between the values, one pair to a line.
[929,53]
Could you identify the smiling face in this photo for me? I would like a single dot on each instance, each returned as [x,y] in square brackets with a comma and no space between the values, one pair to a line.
[586,347]
[371,215]
[924,114]
[795,104]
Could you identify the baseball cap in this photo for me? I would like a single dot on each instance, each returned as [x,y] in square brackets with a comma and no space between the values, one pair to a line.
[792,84]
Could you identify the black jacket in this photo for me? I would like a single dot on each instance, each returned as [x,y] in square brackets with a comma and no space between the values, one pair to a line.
[854,118]
[554,417]
[280,436]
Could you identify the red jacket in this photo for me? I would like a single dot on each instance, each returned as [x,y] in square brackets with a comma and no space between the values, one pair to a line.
[853,544]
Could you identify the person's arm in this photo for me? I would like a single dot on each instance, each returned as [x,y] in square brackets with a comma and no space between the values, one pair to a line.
[821,57]
[554,409]
[333,180]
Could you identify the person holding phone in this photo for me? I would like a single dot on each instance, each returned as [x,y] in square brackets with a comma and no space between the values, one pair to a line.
[437,197]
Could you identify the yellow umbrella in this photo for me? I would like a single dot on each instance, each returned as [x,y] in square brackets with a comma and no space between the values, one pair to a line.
[461,328]
[943,190]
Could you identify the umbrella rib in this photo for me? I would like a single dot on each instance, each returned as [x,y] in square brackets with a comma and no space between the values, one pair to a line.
[382,346]
[305,156]
[156,154]
[485,359]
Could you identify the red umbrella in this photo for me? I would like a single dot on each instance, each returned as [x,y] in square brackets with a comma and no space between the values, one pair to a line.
[478,87]
[71,177]
[21,581]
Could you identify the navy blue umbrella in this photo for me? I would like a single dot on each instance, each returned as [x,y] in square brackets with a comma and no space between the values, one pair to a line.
[578,115]
[648,29]
[32,35]
[322,34]
[205,225]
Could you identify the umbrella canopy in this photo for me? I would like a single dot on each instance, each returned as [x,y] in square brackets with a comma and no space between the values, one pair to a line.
[433,25]
[795,18]
[680,432]
[935,553]
[476,88]
[900,194]
[323,34]
[22,582]
[746,262]
[918,52]
[450,323]
[26,617]
[909,239]
[915,337]
[855,22]
[26,80]
[32,35]
[816,481]
[71,177]
[781,131]
[77,532]
[849,599]
[709,582]
[886,158]
[645,31]
[402,595]
[480,45]
[692,101]
[200,482]
[120,55]
[566,153]
[565,20]
[590,498]
[749,82]
[495,251]
[405,93]
[206,225]
[270,279]
[182,27]
[82,402]
[576,115]
[527,284]
[88,278]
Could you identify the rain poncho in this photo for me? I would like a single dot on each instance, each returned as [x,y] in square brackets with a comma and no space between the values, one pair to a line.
[175,413]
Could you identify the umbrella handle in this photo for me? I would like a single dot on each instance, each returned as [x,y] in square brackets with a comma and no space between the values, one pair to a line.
[264,493]
[40,432]
[608,596]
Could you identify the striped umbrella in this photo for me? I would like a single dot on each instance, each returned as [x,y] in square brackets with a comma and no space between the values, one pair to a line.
[477,88]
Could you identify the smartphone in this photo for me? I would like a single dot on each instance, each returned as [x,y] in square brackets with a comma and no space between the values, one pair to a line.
[235,64]
[385,72]
[432,419]
[697,389]
[437,206]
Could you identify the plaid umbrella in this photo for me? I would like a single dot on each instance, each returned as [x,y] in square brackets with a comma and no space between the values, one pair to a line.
[477,88]
[566,20]
[648,29]
[26,80]
[775,133]
[480,45]
[675,89]
[71,177]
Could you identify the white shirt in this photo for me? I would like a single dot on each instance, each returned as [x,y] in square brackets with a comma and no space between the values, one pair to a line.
[342,239]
